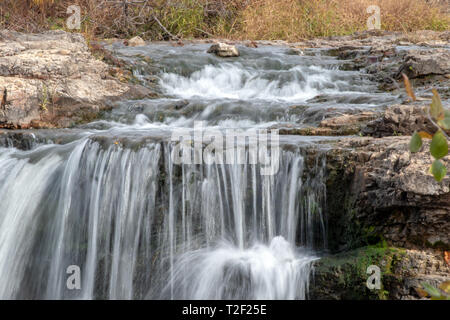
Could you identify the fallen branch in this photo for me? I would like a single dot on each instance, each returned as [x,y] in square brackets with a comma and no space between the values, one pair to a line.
[207,33]
[164,28]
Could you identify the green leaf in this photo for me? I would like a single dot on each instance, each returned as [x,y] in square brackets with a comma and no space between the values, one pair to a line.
[436,109]
[438,170]
[439,145]
[416,142]
[444,123]
[445,286]
[432,291]
[447,113]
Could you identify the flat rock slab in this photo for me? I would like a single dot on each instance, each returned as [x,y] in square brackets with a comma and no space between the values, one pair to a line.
[52,80]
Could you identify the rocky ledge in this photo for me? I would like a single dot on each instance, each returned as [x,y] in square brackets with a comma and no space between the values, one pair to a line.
[52,80]
[388,195]
[384,208]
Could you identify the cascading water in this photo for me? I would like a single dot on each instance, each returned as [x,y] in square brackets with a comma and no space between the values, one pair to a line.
[127,215]
[111,200]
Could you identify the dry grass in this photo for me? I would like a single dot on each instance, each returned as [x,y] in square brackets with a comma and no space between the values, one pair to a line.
[103,18]
[294,19]
[249,19]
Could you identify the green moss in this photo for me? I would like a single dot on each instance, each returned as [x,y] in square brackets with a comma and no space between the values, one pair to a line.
[347,272]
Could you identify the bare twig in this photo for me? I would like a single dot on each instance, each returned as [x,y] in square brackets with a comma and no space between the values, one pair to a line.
[205,32]
[164,28]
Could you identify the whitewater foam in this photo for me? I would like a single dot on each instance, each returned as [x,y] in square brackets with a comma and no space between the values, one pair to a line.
[234,81]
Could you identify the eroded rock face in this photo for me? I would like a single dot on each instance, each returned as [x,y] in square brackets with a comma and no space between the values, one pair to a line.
[388,194]
[425,66]
[399,120]
[224,50]
[52,80]
[421,63]
[380,38]
[385,209]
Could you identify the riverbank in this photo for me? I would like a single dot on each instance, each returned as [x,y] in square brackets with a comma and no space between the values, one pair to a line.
[290,20]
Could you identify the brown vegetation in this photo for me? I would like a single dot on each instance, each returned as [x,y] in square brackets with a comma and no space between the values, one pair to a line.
[250,19]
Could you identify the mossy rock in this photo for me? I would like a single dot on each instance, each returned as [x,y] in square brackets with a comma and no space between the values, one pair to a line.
[344,276]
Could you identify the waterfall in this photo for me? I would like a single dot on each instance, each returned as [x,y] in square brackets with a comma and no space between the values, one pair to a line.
[108,199]
[141,227]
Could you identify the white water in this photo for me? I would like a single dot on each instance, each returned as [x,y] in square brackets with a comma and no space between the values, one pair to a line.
[139,232]
[263,271]
[233,81]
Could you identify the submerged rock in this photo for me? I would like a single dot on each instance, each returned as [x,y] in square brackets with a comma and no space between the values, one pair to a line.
[224,50]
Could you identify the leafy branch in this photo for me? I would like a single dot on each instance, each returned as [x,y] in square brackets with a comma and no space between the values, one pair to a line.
[440,118]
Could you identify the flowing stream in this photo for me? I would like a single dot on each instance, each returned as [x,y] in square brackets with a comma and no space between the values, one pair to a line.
[109,198]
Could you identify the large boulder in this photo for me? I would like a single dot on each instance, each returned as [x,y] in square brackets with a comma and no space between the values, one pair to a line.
[224,50]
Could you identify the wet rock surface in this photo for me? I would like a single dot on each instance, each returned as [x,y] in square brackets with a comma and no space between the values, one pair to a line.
[224,50]
[52,80]
[422,55]
[378,192]
[347,124]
